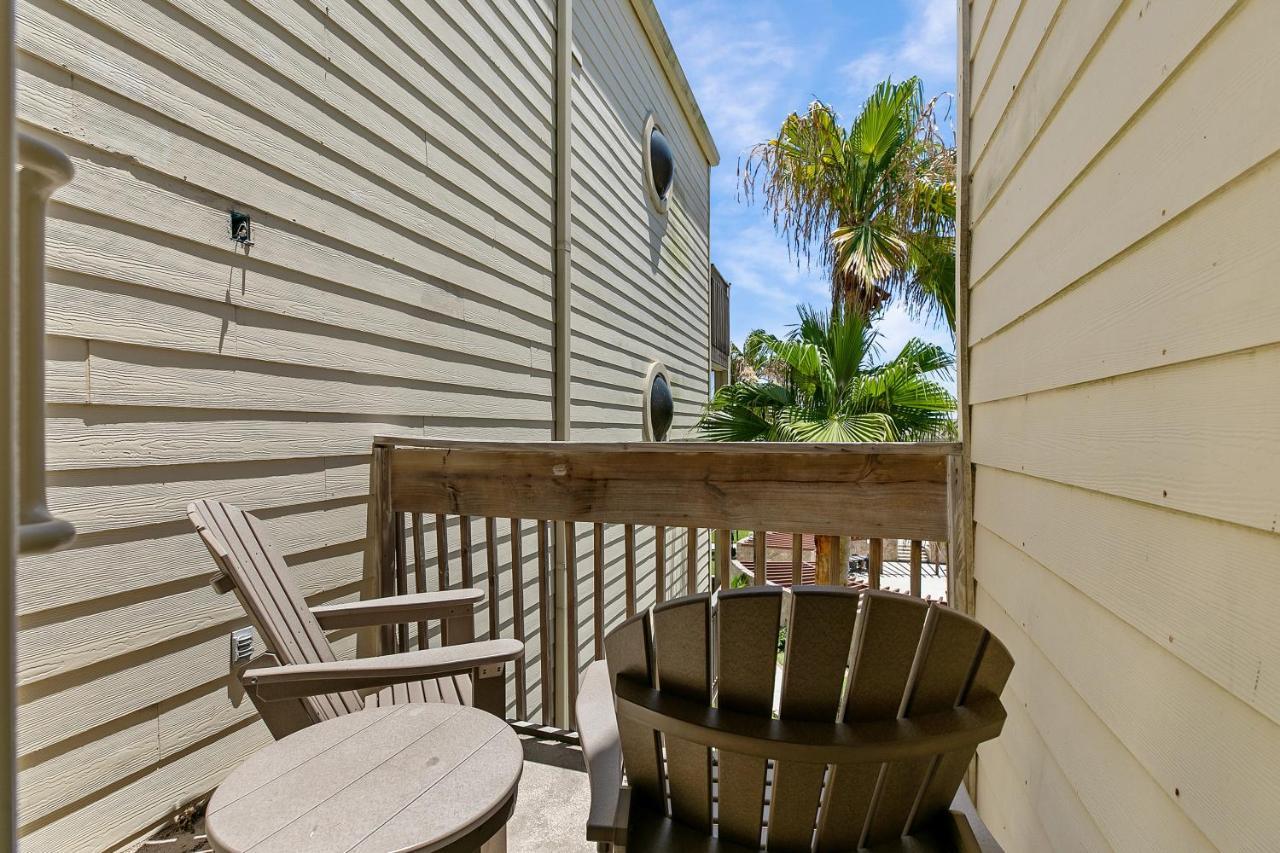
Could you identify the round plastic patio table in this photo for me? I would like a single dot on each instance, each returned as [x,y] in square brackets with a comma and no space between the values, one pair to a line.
[407,777]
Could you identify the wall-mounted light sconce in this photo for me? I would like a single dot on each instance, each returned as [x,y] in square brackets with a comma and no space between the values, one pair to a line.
[659,164]
[659,407]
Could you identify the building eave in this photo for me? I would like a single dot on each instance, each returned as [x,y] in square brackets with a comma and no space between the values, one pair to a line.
[657,32]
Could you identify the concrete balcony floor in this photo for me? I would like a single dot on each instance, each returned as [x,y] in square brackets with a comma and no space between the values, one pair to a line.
[551,808]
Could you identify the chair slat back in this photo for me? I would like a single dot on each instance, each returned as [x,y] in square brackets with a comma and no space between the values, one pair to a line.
[851,658]
[629,652]
[819,631]
[682,638]
[990,671]
[264,585]
[886,639]
[748,623]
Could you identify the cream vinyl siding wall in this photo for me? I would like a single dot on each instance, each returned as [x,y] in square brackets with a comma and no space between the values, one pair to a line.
[641,280]
[397,163]
[1123,354]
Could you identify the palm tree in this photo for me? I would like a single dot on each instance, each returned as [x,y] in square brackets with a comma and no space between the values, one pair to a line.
[755,361]
[829,388]
[874,203]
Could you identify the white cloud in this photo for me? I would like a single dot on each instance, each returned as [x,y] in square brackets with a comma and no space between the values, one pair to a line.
[764,277]
[739,62]
[925,47]
[896,328]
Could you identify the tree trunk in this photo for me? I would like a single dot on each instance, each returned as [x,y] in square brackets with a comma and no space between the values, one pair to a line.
[831,557]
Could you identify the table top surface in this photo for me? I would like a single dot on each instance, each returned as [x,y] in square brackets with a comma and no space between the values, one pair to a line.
[406,777]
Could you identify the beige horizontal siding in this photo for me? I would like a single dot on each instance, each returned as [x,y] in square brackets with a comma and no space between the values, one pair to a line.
[397,163]
[640,280]
[1123,346]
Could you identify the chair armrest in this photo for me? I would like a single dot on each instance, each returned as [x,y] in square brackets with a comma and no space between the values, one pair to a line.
[309,679]
[398,609]
[602,750]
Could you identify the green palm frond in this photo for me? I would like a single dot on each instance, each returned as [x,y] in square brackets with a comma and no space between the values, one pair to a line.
[874,205]
[832,389]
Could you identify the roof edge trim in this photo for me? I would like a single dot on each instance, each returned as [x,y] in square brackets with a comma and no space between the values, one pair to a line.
[657,32]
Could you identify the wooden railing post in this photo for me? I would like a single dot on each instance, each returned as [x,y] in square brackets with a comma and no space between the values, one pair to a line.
[831,560]
[723,556]
[875,562]
[960,585]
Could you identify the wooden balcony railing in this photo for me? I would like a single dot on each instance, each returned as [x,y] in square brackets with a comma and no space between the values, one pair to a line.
[569,538]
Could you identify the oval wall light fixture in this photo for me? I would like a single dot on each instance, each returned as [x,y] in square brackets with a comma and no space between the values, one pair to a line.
[659,405]
[659,164]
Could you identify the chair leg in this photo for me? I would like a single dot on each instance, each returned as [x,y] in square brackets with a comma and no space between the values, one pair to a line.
[489,689]
[283,717]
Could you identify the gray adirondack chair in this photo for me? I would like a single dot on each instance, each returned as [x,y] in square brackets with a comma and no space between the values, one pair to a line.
[883,700]
[299,681]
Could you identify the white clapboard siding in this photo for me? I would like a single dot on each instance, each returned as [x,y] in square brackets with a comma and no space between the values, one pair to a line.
[1056,806]
[1190,735]
[1203,613]
[1032,25]
[1116,320]
[1019,829]
[1160,436]
[991,49]
[1000,142]
[640,279]
[1030,250]
[1129,807]
[1123,346]
[397,161]
[166,555]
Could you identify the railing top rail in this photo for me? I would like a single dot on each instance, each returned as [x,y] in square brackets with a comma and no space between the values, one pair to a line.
[909,448]
[867,490]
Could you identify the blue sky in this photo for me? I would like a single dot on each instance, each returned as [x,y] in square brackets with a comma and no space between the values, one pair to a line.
[751,62]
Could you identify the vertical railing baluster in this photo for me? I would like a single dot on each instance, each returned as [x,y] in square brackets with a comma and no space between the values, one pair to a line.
[544,624]
[723,557]
[597,590]
[629,542]
[691,561]
[875,561]
[442,567]
[379,570]
[761,557]
[571,613]
[491,567]
[419,570]
[797,558]
[517,616]
[464,551]
[915,567]
[402,580]
[660,564]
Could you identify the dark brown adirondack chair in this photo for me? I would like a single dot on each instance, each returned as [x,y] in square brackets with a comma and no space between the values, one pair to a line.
[299,681]
[884,699]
